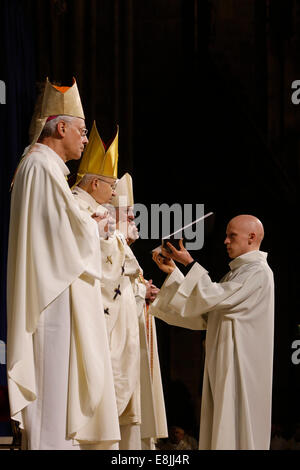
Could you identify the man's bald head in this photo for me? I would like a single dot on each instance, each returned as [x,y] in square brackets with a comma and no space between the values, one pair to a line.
[244,233]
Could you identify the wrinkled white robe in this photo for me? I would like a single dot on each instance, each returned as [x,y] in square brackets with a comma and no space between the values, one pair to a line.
[122,327]
[123,338]
[54,262]
[120,312]
[238,313]
[154,420]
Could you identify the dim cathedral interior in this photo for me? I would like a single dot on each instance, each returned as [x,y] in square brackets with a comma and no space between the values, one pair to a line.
[205,96]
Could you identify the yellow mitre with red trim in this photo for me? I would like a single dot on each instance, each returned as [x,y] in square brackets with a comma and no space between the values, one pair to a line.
[96,160]
[55,101]
[123,192]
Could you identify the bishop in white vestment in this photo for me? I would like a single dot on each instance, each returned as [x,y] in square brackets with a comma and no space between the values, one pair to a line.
[153,422]
[59,374]
[96,178]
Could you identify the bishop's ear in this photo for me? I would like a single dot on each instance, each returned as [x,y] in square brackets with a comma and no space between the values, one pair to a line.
[61,128]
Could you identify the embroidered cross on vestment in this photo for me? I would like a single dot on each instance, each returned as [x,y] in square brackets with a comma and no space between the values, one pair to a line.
[117,292]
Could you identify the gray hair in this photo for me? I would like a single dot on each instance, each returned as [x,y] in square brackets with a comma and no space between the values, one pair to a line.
[50,126]
[86,179]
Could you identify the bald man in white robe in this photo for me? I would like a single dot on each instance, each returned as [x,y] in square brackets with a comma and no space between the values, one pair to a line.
[238,313]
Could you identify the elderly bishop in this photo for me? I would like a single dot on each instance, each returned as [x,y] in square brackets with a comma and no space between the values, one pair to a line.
[59,374]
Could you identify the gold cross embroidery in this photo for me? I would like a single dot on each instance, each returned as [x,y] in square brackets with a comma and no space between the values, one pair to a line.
[108,259]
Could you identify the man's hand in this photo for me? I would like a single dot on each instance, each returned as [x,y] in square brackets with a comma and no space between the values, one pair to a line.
[151,291]
[111,225]
[132,233]
[164,262]
[182,255]
[102,221]
[98,217]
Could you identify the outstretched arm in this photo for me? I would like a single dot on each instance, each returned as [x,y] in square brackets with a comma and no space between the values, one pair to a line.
[182,255]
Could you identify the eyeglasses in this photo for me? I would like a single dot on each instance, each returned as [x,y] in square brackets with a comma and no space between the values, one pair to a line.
[112,185]
[83,132]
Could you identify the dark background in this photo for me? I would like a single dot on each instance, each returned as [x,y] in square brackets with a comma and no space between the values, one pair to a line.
[201,91]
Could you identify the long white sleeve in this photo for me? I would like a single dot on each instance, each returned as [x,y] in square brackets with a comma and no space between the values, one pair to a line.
[182,301]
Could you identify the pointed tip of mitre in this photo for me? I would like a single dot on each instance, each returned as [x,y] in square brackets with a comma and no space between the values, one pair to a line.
[54,101]
[98,161]
[61,100]
[124,192]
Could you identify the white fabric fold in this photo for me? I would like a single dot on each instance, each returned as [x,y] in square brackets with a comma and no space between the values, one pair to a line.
[238,313]
[52,243]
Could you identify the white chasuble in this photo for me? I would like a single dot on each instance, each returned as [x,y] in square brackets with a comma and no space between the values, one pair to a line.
[154,421]
[120,315]
[238,313]
[122,325]
[53,263]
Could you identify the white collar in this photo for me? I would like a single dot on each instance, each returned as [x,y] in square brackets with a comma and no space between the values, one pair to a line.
[53,154]
[250,257]
[85,196]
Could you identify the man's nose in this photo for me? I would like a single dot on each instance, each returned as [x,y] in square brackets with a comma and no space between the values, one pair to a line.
[85,140]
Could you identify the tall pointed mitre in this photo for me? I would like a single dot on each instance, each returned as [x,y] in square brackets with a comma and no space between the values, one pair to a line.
[98,161]
[55,101]
[124,192]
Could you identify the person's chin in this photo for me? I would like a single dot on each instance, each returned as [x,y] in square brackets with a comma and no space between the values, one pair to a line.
[76,156]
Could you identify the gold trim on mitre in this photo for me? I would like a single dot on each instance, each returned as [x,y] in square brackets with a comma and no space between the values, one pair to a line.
[98,161]
[124,192]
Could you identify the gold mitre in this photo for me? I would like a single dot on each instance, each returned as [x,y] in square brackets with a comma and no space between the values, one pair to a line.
[55,101]
[124,192]
[98,161]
